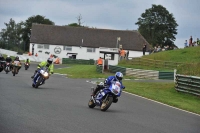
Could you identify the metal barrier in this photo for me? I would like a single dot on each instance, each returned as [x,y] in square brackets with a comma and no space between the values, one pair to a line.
[188,84]
[77,61]
[141,73]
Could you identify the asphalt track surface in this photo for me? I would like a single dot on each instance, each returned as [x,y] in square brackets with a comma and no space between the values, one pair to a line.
[60,106]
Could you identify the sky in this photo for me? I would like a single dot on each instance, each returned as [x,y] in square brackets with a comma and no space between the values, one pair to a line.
[104,14]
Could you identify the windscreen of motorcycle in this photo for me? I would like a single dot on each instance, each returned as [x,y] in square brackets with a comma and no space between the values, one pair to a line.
[116,88]
[42,71]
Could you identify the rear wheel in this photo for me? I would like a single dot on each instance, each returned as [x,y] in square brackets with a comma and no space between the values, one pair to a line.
[106,103]
[91,103]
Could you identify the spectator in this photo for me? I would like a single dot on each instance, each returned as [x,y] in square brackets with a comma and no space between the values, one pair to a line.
[194,44]
[144,48]
[190,41]
[36,54]
[198,42]
[158,49]
[127,54]
[186,44]
[122,54]
[100,61]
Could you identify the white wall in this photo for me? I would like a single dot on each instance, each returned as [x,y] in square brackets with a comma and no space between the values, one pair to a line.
[81,53]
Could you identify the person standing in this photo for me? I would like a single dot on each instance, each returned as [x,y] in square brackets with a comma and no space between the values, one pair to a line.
[100,61]
[122,54]
[127,54]
[190,41]
[186,44]
[198,42]
[144,48]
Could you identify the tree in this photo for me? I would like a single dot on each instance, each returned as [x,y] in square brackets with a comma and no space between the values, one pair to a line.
[158,26]
[27,27]
[10,37]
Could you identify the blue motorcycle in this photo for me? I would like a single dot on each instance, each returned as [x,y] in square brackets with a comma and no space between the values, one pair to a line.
[39,78]
[106,96]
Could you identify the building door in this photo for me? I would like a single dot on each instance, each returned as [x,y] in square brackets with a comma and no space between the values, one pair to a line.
[73,56]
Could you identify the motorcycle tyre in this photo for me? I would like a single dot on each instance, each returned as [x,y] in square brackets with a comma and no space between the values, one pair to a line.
[108,102]
[26,68]
[14,71]
[38,83]
[91,103]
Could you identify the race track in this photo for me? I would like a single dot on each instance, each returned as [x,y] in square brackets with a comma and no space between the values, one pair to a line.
[60,106]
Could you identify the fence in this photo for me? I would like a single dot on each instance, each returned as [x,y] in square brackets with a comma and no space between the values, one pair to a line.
[141,73]
[188,84]
[77,61]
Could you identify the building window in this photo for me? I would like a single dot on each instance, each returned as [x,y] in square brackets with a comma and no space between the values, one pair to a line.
[68,48]
[91,50]
[42,46]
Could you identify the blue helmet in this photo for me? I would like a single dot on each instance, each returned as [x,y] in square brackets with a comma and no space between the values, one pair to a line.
[119,76]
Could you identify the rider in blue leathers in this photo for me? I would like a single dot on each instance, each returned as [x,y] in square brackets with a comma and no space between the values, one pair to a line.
[117,77]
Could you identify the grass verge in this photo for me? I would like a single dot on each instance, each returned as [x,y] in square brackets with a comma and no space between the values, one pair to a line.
[164,93]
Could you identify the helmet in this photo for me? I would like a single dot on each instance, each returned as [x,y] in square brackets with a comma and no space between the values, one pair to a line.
[8,56]
[50,60]
[119,76]
[17,58]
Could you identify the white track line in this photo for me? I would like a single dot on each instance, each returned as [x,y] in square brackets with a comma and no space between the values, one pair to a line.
[161,103]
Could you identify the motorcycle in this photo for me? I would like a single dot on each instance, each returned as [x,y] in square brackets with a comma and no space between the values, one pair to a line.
[15,67]
[2,64]
[26,65]
[106,96]
[7,67]
[40,76]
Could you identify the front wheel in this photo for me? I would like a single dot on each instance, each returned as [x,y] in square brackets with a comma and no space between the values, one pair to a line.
[106,103]
[38,82]
[14,71]
[91,103]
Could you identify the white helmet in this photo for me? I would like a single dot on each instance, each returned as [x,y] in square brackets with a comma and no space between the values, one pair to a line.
[8,56]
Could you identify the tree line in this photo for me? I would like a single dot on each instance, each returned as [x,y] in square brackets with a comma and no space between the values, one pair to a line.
[156,25]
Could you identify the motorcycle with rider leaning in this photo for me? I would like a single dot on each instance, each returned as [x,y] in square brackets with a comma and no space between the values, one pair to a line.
[117,77]
[48,64]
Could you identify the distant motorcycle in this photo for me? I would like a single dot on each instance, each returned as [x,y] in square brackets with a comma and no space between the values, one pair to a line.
[105,97]
[2,64]
[40,77]
[7,67]
[15,67]
[26,65]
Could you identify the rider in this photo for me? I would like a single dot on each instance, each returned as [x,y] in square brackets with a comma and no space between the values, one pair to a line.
[48,63]
[8,59]
[27,61]
[17,59]
[117,77]
[1,59]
